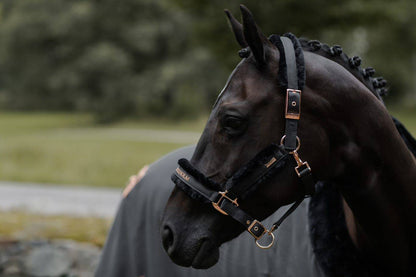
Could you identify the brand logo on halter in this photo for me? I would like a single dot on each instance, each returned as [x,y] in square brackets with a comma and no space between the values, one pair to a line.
[183,174]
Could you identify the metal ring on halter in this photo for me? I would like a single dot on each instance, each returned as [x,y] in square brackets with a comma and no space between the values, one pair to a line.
[282,140]
[268,245]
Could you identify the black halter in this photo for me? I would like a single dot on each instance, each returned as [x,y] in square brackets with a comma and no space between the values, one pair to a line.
[266,163]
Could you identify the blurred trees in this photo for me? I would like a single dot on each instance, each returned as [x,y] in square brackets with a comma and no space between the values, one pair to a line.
[171,57]
[382,32]
[112,58]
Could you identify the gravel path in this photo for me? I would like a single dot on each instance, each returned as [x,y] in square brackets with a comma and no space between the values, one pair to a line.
[62,200]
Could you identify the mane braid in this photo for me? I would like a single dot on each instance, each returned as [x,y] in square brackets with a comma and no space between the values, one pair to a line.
[377,85]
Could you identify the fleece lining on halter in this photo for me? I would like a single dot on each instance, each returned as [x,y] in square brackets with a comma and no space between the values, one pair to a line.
[300,63]
[245,181]
[242,182]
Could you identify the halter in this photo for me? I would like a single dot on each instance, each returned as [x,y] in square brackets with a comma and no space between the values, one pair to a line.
[269,161]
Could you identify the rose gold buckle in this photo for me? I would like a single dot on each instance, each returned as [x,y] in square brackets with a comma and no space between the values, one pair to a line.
[216,205]
[292,115]
[253,226]
[257,238]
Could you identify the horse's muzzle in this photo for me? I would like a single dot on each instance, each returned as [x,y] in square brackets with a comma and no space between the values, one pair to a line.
[188,250]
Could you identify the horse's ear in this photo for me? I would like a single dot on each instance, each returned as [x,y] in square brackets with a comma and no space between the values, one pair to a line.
[237,29]
[253,36]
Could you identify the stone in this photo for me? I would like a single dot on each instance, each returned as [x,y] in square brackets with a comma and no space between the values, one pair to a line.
[48,258]
[47,261]
[12,269]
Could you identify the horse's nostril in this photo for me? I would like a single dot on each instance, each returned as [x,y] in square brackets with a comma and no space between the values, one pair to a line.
[167,238]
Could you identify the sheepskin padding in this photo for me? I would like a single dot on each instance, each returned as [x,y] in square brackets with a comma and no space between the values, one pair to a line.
[329,235]
[233,184]
[300,62]
[259,160]
[199,176]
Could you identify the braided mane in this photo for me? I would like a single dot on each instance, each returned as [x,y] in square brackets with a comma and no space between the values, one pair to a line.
[377,85]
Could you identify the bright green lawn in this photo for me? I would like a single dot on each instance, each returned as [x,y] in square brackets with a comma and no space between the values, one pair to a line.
[70,149]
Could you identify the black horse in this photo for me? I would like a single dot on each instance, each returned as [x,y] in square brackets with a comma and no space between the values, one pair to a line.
[345,133]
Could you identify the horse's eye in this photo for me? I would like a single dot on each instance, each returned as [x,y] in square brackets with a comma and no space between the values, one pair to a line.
[233,125]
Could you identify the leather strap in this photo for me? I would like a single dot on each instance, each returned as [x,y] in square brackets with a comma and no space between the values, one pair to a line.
[291,67]
[291,128]
[308,181]
[245,219]
[191,182]
[292,95]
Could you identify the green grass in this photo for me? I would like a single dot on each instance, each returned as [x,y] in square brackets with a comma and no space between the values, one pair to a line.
[27,226]
[14,124]
[70,149]
[62,148]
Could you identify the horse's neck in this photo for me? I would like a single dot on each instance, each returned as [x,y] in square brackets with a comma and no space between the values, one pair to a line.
[378,183]
[368,162]
[376,157]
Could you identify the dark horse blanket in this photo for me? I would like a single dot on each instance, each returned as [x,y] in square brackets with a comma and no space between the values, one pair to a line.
[313,241]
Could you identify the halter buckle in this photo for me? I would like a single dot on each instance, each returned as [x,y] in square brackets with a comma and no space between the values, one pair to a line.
[217,204]
[293,97]
[256,229]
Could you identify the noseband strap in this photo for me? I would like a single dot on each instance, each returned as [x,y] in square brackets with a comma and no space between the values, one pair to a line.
[268,162]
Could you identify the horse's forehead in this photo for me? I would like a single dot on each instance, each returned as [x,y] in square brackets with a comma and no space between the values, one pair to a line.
[246,82]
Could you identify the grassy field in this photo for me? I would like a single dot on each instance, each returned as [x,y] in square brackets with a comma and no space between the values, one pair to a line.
[71,149]
[19,225]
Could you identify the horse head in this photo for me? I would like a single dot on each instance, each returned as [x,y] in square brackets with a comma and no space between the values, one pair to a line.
[250,117]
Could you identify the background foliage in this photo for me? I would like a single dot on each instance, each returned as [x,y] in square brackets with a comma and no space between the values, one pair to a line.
[170,58]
